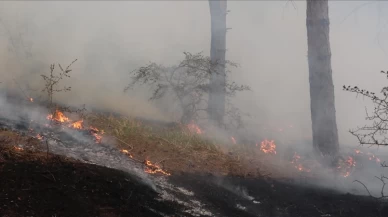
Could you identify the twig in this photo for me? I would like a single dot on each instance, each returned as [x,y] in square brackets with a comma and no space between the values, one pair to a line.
[124,143]
[382,189]
[25,95]
[364,187]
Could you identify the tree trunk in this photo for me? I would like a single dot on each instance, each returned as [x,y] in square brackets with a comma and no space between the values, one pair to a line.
[216,104]
[323,117]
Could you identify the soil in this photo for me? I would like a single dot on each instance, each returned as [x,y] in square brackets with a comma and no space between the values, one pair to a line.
[33,184]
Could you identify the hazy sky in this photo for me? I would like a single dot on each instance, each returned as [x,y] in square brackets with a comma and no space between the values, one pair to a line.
[268,40]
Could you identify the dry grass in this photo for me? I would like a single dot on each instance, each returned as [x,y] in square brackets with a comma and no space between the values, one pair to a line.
[176,149]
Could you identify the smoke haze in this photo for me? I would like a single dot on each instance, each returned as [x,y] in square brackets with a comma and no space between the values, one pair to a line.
[268,40]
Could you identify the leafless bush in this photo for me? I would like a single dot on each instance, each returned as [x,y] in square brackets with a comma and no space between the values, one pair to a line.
[188,84]
[376,132]
[52,83]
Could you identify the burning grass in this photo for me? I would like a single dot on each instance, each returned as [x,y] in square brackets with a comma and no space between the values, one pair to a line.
[181,148]
[175,149]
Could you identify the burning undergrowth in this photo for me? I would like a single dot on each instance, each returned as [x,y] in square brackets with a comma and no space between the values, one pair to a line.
[70,137]
[114,142]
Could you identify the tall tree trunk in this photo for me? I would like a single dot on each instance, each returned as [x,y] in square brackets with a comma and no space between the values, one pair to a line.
[323,117]
[216,104]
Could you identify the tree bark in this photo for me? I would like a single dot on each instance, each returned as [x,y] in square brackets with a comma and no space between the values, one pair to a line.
[323,117]
[216,104]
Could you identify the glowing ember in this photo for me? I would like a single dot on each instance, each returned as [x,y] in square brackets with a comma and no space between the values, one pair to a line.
[268,147]
[39,137]
[18,148]
[194,128]
[298,165]
[358,151]
[371,156]
[345,167]
[153,168]
[233,140]
[77,124]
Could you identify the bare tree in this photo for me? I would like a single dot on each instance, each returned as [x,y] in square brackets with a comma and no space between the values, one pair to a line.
[375,132]
[216,104]
[323,117]
[188,85]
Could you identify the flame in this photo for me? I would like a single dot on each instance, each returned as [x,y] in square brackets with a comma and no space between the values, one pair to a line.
[18,148]
[58,116]
[358,151]
[153,168]
[77,124]
[233,140]
[126,152]
[97,134]
[371,156]
[194,128]
[31,99]
[38,136]
[299,166]
[268,147]
[346,167]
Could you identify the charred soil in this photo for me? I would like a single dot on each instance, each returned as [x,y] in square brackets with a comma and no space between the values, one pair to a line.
[34,183]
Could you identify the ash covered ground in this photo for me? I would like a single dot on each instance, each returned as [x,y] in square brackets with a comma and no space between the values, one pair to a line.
[83,176]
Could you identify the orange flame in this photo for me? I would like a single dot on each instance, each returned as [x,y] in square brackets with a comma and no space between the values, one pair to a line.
[194,128]
[126,152]
[153,168]
[77,124]
[346,167]
[358,151]
[233,140]
[299,166]
[31,99]
[97,134]
[268,147]
[18,148]
[371,156]
[39,137]
[58,116]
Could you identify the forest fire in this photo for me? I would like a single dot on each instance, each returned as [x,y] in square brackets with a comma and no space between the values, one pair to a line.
[268,147]
[153,168]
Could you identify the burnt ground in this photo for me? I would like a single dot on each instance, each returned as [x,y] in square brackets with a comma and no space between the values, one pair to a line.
[33,183]
[58,186]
